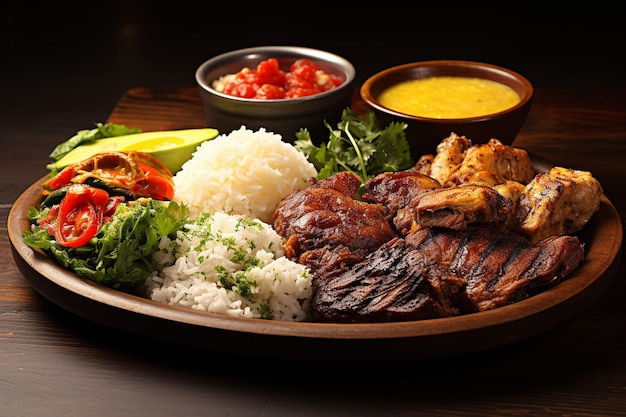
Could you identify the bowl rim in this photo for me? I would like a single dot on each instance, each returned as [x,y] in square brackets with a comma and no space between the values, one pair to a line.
[346,67]
[525,98]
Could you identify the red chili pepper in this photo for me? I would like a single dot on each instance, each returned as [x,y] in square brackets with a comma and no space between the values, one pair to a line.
[80,215]
[154,183]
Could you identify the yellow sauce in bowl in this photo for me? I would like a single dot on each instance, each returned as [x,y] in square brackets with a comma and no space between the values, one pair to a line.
[444,97]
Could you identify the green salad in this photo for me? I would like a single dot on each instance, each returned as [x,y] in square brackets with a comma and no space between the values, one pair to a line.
[119,255]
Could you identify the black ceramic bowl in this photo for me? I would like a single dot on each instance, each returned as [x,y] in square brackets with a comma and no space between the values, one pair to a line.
[425,133]
[282,116]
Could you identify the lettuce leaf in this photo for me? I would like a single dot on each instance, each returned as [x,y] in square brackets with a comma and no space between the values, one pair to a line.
[101,131]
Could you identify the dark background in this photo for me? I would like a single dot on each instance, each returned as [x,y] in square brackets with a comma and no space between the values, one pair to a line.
[63,68]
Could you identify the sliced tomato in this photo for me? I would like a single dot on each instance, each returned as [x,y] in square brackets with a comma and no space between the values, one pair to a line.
[61,179]
[111,206]
[50,221]
[80,215]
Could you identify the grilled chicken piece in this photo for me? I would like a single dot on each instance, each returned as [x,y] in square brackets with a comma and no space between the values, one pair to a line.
[458,161]
[423,165]
[511,192]
[505,163]
[449,156]
[441,273]
[328,213]
[558,202]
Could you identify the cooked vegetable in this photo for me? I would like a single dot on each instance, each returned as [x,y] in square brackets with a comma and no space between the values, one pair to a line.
[139,173]
[358,145]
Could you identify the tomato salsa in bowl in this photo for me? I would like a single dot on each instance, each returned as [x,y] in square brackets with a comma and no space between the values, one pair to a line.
[269,82]
[280,88]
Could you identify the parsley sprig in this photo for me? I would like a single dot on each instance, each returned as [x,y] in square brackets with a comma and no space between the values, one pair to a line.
[358,145]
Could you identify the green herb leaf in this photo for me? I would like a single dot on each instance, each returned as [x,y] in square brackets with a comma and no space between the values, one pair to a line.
[358,145]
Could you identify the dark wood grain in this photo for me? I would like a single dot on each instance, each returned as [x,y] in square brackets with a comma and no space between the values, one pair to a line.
[55,363]
[159,109]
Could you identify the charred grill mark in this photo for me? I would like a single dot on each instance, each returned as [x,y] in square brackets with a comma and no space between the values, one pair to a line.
[478,269]
[504,267]
[507,266]
[459,259]
[547,267]
[394,283]
[534,266]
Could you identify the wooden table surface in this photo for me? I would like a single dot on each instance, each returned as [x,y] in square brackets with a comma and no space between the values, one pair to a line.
[53,363]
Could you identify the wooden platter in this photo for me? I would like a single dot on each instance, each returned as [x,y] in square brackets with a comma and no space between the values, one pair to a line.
[341,342]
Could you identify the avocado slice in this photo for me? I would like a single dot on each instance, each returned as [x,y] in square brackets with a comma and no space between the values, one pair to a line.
[172,147]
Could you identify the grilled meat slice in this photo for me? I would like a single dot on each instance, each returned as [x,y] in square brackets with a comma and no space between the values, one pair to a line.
[328,213]
[437,272]
[500,267]
[458,207]
[394,283]
[329,261]
[398,192]
[415,200]
[398,189]
[558,202]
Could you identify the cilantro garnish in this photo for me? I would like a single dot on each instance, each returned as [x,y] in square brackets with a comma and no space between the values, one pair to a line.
[358,145]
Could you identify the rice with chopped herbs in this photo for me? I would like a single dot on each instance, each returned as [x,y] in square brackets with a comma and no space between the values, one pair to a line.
[244,172]
[230,264]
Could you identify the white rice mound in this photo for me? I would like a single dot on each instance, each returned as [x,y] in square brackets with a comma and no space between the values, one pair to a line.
[189,271]
[245,172]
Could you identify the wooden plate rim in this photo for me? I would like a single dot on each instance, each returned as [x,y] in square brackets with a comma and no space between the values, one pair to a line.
[532,316]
